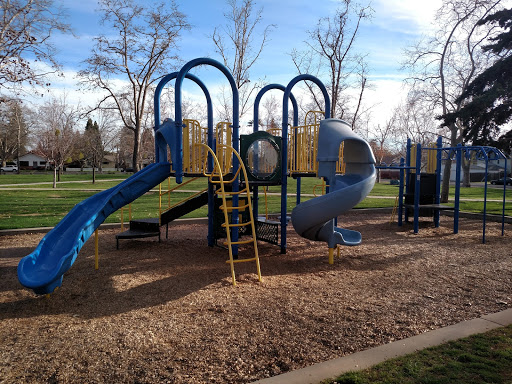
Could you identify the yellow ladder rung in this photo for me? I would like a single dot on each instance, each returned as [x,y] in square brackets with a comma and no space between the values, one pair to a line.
[236,225]
[236,193]
[240,260]
[232,208]
[241,242]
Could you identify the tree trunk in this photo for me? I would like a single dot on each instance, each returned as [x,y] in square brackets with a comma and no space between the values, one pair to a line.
[135,158]
[18,144]
[93,169]
[445,187]
[54,176]
[466,166]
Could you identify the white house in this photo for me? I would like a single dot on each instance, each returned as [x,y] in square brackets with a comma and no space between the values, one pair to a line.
[31,160]
[495,169]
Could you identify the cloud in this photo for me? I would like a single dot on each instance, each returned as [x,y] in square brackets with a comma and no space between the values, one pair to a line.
[406,16]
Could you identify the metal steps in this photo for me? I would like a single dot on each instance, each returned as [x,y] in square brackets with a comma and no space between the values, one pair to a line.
[140,229]
[151,227]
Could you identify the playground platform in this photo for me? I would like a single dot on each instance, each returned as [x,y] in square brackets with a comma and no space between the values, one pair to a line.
[316,373]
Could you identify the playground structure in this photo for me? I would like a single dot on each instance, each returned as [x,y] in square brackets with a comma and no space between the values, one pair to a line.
[236,165]
[183,148]
[413,181]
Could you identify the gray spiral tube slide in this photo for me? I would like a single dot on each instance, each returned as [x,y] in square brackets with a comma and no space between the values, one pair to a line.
[314,219]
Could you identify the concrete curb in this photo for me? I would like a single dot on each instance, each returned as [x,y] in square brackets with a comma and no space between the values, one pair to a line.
[479,216]
[314,374]
[204,220]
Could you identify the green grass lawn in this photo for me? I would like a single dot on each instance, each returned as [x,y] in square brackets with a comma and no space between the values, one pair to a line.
[27,207]
[47,177]
[478,359]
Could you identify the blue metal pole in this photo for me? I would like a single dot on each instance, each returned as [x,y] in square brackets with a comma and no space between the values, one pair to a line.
[504,197]
[401,193]
[458,156]
[485,196]
[417,189]
[439,156]
[284,155]
[407,173]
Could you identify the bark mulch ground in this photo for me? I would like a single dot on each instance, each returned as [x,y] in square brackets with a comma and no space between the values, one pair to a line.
[167,312]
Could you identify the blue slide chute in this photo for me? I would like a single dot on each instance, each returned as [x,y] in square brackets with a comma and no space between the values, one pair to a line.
[314,219]
[43,269]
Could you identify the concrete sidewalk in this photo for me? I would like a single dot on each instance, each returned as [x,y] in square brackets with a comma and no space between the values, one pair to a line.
[314,374]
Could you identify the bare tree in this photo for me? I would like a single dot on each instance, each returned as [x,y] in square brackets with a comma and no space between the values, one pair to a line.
[139,52]
[235,43]
[271,111]
[444,64]
[414,120]
[56,134]
[14,130]
[25,32]
[331,53]
[382,140]
[108,126]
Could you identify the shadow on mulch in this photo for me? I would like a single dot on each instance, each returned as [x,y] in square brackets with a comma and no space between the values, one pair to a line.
[145,273]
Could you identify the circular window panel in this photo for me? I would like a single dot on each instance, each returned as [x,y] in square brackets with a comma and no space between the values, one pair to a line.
[262,159]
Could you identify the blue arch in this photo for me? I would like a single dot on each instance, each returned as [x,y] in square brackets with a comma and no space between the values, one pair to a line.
[259,97]
[178,113]
[236,126]
[156,103]
[161,156]
[284,155]
[255,127]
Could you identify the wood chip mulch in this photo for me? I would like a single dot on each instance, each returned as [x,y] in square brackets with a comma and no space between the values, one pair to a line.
[167,312]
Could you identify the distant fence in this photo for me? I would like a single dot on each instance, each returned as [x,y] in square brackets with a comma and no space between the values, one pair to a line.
[89,169]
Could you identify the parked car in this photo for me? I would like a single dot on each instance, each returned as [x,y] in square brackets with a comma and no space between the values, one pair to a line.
[502,180]
[9,168]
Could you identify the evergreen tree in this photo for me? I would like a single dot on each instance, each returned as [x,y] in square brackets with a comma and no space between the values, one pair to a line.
[488,98]
[89,125]
[94,150]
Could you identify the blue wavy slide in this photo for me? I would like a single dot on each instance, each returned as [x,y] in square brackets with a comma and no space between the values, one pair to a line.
[43,269]
[314,219]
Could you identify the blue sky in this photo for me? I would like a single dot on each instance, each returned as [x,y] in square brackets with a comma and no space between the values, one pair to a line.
[395,24]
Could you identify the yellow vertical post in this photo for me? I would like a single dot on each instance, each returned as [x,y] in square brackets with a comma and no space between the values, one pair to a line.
[186,146]
[130,211]
[96,252]
[331,255]
[265,189]
[431,158]
[122,219]
[159,199]
[413,158]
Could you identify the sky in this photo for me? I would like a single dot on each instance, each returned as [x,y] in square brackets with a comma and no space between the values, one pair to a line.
[395,24]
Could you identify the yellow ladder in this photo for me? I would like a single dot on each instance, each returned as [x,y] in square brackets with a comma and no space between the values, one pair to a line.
[218,178]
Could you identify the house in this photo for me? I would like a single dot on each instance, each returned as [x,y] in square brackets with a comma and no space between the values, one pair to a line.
[109,162]
[495,169]
[31,160]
